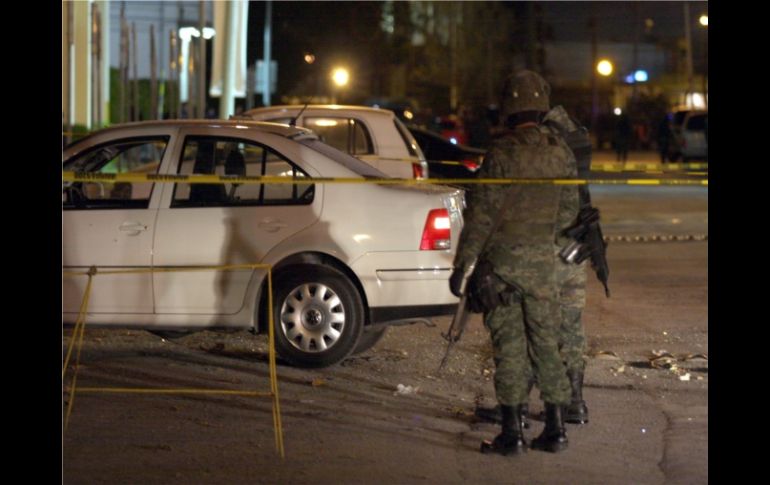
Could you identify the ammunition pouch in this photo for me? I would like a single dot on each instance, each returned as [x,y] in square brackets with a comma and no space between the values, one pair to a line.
[487,291]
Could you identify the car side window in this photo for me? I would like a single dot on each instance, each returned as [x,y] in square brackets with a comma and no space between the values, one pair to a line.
[236,157]
[132,156]
[346,134]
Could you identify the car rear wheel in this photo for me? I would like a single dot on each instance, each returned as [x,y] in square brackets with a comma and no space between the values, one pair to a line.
[318,316]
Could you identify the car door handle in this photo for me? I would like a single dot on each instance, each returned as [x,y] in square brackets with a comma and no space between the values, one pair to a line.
[271,225]
[132,228]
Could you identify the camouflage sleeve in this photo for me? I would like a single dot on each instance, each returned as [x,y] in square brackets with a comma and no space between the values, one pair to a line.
[479,213]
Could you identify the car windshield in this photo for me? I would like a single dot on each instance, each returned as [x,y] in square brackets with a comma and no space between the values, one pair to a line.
[679,117]
[348,161]
[697,123]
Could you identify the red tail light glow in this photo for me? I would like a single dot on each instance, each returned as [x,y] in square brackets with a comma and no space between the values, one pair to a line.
[471,165]
[437,232]
[417,171]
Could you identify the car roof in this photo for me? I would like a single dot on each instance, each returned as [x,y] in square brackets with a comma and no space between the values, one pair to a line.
[275,128]
[339,108]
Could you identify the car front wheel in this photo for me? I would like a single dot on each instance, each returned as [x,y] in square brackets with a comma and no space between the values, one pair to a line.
[318,316]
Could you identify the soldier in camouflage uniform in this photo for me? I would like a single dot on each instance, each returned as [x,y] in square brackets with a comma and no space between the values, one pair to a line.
[571,278]
[523,253]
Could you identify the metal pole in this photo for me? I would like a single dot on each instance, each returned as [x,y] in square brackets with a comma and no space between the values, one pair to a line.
[173,75]
[153,76]
[70,72]
[688,43]
[135,98]
[191,84]
[123,62]
[594,82]
[266,53]
[202,63]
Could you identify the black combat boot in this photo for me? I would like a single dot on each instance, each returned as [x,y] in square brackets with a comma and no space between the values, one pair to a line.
[554,436]
[511,440]
[493,415]
[576,411]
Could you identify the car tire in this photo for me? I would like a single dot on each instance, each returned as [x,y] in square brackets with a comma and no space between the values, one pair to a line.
[170,334]
[369,338]
[318,316]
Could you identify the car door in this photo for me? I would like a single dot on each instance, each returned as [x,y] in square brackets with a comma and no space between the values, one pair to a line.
[225,224]
[111,225]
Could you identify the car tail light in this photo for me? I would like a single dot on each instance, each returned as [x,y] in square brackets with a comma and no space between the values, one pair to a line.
[437,232]
[471,165]
[417,171]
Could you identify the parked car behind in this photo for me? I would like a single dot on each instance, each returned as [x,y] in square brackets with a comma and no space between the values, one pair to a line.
[694,144]
[373,135]
[347,259]
[446,159]
[451,128]
[688,128]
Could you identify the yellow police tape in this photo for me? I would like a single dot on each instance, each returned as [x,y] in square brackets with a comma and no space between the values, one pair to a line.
[235,179]
[79,330]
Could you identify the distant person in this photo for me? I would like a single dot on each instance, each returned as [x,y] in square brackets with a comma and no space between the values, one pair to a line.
[622,139]
[664,138]
[477,127]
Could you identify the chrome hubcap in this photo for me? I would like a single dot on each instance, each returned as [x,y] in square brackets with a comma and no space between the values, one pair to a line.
[312,317]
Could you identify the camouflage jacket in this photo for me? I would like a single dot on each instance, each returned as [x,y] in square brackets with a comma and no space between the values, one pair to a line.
[537,212]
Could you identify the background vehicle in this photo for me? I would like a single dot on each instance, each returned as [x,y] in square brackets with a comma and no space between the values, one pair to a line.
[373,135]
[345,257]
[451,128]
[464,160]
[688,128]
[693,141]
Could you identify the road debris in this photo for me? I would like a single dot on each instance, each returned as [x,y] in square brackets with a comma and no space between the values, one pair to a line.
[405,390]
[605,355]
[318,382]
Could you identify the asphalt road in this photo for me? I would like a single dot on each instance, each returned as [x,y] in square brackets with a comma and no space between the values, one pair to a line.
[646,387]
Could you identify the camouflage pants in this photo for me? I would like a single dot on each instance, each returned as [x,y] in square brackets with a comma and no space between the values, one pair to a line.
[524,339]
[571,280]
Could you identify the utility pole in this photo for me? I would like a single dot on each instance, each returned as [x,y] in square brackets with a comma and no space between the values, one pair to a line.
[594,84]
[70,72]
[266,53]
[153,76]
[202,64]
[688,46]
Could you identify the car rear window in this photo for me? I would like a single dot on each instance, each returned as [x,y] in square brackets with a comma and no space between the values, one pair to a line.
[348,161]
[407,137]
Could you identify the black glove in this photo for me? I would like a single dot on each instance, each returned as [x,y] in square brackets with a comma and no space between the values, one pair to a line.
[456,281]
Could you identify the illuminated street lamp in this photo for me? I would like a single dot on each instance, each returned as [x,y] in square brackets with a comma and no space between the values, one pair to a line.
[604,67]
[340,76]
[704,20]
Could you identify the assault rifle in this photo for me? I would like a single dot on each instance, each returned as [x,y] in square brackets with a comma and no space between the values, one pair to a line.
[460,318]
[588,242]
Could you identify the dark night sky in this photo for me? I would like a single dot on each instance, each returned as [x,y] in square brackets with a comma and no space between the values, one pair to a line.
[616,19]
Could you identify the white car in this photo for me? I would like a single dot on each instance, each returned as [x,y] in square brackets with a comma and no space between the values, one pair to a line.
[346,257]
[694,144]
[373,135]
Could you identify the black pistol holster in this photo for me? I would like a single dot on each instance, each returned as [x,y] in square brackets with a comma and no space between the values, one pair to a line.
[487,291]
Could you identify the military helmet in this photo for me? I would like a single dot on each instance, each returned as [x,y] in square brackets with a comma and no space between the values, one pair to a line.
[526,91]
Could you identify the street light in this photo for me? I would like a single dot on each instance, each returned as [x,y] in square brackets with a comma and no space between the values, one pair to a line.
[604,67]
[704,20]
[340,76]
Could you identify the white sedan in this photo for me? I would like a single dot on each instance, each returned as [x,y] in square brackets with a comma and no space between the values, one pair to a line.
[346,257]
[373,135]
